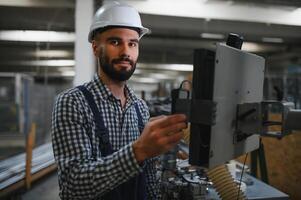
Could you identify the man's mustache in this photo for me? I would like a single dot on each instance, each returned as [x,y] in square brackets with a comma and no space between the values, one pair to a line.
[122,59]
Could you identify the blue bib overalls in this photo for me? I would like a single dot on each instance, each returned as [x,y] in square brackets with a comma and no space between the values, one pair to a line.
[134,188]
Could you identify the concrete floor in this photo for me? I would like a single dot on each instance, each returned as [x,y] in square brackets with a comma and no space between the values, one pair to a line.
[45,189]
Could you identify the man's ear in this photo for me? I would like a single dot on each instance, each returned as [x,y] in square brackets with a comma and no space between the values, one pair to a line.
[95,47]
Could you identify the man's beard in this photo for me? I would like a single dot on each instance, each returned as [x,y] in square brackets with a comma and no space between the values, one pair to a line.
[117,75]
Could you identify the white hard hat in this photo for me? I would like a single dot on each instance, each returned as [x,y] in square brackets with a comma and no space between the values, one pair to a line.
[116,14]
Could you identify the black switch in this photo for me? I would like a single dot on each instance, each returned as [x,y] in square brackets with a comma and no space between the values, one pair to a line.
[235,40]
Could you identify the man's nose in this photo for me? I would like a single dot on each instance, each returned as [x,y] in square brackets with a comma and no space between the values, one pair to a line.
[125,51]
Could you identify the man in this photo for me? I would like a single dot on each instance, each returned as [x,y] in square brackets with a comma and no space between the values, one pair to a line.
[103,141]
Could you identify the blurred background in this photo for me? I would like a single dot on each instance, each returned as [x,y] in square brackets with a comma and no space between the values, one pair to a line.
[44,50]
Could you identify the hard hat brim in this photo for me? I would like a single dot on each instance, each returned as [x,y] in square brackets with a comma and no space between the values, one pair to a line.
[142,30]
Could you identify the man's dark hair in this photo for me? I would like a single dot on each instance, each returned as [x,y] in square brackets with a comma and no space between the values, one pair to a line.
[103,29]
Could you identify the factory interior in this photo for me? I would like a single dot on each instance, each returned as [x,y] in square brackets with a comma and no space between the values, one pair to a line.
[44,50]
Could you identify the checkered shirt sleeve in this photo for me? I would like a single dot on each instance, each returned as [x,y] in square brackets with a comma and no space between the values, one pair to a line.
[80,175]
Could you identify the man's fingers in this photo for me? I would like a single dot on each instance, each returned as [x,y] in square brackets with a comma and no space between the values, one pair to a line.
[161,134]
[173,139]
[170,130]
[156,118]
[169,120]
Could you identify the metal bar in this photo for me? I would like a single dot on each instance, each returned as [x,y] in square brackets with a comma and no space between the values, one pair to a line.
[29,145]
[13,169]
[254,163]
[263,166]
[19,184]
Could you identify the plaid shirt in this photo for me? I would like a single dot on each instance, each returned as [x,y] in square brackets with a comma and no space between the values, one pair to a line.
[82,176]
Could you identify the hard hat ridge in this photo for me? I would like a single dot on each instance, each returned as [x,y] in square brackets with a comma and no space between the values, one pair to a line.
[116,14]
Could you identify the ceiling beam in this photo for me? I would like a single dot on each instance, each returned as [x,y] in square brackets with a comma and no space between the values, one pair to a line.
[193,27]
[186,43]
[221,10]
[38,3]
[295,3]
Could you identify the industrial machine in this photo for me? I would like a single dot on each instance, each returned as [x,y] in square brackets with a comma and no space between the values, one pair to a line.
[227,116]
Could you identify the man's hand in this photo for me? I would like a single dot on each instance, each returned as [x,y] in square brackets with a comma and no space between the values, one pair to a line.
[159,136]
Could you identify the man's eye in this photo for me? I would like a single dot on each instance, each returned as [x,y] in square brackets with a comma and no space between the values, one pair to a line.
[133,44]
[114,42]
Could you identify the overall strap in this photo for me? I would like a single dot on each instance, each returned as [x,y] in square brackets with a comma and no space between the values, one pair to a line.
[134,188]
[140,121]
[101,131]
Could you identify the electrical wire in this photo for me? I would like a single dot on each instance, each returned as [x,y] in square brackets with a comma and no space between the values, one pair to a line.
[242,172]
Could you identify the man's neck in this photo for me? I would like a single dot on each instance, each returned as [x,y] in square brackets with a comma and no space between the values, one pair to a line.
[116,87]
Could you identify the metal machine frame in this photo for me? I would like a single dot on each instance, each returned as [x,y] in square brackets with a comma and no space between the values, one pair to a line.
[226,111]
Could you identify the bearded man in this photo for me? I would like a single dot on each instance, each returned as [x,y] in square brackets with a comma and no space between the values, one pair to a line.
[104,143]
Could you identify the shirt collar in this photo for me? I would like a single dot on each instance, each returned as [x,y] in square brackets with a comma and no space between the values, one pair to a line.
[103,92]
